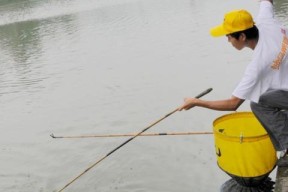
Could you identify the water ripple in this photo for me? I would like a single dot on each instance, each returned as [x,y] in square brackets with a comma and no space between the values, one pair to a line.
[19,11]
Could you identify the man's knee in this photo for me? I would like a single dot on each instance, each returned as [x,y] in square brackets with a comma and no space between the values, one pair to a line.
[254,106]
[265,97]
[274,99]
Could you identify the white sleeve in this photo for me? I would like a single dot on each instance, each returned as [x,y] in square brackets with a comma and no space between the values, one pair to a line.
[247,86]
[265,10]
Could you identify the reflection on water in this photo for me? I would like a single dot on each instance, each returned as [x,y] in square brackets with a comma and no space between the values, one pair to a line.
[21,40]
[23,51]
[19,11]
[20,48]
[111,66]
[281,8]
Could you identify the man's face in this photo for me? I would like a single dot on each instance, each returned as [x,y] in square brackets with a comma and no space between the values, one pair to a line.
[237,43]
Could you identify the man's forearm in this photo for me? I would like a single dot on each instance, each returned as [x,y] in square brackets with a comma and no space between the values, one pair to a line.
[221,105]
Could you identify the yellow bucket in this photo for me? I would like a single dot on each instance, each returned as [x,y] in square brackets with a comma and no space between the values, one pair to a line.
[242,145]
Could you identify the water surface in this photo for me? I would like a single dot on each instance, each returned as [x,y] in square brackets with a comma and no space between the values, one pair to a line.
[72,67]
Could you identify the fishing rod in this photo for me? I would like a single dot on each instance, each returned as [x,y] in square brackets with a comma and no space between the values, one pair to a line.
[127,141]
[129,134]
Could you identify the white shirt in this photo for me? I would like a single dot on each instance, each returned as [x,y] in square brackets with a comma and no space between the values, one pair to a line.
[268,68]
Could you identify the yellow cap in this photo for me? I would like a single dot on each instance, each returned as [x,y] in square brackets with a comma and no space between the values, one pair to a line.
[234,21]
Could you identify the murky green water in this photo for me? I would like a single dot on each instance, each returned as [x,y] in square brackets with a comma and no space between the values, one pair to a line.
[72,67]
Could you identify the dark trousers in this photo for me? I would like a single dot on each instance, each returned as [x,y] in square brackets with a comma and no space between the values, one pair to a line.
[272,113]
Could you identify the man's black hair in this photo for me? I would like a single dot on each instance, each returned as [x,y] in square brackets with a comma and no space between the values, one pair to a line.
[251,33]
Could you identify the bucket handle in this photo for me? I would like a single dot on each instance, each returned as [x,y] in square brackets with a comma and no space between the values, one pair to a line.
[241,137]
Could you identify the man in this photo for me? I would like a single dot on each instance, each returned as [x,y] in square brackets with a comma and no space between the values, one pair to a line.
[265,81]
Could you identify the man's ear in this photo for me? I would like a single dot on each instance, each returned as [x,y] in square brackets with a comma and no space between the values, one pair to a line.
[242,37]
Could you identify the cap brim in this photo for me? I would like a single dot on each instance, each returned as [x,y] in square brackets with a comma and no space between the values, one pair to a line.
[218,31]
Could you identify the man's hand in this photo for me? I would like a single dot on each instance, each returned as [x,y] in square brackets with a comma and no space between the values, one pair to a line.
[188,103]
